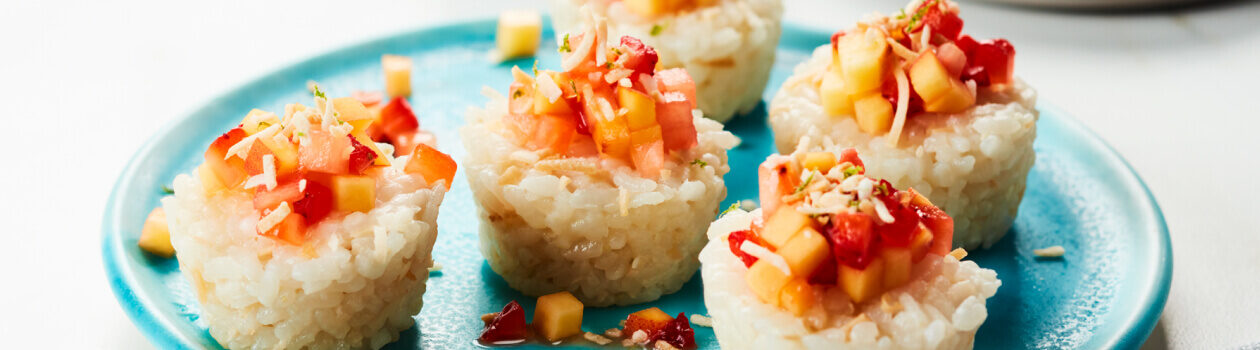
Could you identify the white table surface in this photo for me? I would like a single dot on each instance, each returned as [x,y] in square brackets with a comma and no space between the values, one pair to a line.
[84,83]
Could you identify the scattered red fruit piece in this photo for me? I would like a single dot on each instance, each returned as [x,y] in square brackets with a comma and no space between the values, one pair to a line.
[677,333]
[361,157]
[639,58]
[508,325]
[852,239]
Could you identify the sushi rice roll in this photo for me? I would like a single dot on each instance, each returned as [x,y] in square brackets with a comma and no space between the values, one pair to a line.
[835,259]
[300,232]
[928,107]
[599,180]
[728,46]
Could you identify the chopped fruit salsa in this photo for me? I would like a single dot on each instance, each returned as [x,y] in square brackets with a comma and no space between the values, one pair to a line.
[312,164]
[825,224]
[610,102]
[654,8]
[558,316]
[886,69]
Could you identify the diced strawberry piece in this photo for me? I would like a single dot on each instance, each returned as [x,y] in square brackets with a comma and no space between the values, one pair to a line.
[508,325]
[579,120]
[948,25]
[292,230]
[231,171]
[853,239]
[640,58]
[649,159]
[835,40]
[968,46]
[677,79]
[361,157]
[324,153]
[902,229]
[977,74]
[398,119]
[677,333]
[851,155]
[316,202]
[554,133]
[737,238]
[432,165]
[998,57]
[942,227]
[826,273]
[678,129]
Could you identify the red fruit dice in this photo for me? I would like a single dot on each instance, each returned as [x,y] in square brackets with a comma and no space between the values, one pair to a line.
[948,25]
[292,229]
[508,325]
[640,58]
[851,155]
[977,74]
[737,238]
[968,45]
[231,171]
[677,333]
[853,239]
[678,129]
[316,202]
[826,273]
[998,57]
[361,157]
[323,152]
[905,223]
[942,227]
[398,119]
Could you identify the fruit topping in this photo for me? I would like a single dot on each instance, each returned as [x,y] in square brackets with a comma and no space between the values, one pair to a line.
[508,326]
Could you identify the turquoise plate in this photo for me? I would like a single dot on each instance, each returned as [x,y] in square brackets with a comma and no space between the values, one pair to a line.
[1106,293]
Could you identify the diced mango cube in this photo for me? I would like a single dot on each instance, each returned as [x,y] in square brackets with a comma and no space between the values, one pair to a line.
[558,316]
[940,91]
[640,108]
[285,152]
[397,75]
[354,193]
[874,113]
[784,225]
[645,136]
[864,60]
[821,161]
[835,98]
[155,237]
[649,320]
[805,252]
[350,109]
[865,284]
[766,281]
[257,120]
[797,296]
[209,181]
[957,99]
[612,138]
[897,266]
[519,33]
[544,105]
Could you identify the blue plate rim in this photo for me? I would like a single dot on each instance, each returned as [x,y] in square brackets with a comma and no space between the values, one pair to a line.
[136,305]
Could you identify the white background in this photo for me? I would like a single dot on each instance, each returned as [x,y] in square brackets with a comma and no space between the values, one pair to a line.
[83,84]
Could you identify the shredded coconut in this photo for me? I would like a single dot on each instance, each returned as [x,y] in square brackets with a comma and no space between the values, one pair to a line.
[1050,252]
[767,255]
[548,87]
[596,338]
[271,220]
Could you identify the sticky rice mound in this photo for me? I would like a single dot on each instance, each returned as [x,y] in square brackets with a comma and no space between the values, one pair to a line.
[356,283]
[973,164]
[597,230]
[940,308]
[727,47]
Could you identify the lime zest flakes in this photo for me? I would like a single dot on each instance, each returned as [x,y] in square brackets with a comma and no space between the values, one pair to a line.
[564,45]
[657,29]
[574,87]
[699,162]
[167,189]
[806,183]
[318,93]
[517,94]
[608,65]
[854,203]
[729,209]
[918,15]
[901,13]
[535,68]
[853,170]
[882,188]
